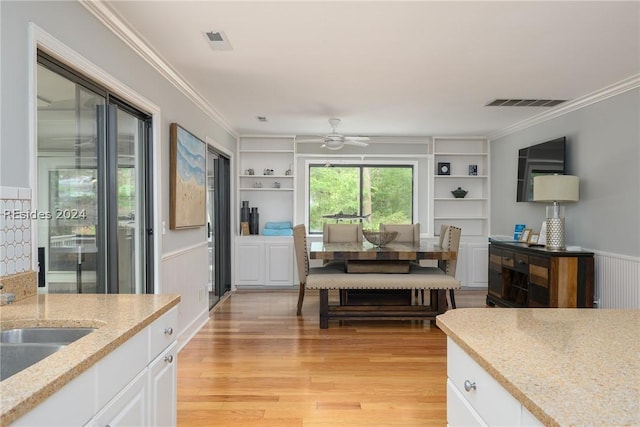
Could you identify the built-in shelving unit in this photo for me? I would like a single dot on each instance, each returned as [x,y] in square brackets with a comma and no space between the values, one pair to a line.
[470,213]
[266,261]
[270,187]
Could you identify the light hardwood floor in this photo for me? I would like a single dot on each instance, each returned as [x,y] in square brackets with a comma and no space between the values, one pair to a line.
[255,363]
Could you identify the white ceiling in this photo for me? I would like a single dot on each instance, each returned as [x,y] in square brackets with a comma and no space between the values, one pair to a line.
[389,68]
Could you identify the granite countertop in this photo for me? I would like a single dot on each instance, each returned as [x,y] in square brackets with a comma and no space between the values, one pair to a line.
[566,366]
[116,317]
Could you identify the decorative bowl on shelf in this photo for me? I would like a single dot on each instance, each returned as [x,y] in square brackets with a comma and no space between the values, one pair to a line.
[378,238]
[459,193]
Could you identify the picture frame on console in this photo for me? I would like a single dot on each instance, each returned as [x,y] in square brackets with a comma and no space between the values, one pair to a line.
[534,239]
[524,237]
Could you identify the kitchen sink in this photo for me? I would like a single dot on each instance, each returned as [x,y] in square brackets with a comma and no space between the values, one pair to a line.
[16,357]
[21,348]
[43,335]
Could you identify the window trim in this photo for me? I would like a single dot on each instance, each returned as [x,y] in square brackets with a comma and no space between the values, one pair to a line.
[360,163]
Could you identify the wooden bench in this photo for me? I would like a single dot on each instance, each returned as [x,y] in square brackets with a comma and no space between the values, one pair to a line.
[418,279]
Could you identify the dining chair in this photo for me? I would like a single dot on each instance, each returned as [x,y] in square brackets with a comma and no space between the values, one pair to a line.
[302,262]
[341,233]
[449,240]
[407,233]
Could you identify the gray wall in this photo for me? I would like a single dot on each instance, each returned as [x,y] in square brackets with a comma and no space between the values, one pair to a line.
[74,26]
[603,150]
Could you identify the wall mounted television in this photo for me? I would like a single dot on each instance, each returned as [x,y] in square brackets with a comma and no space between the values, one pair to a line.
[546,158]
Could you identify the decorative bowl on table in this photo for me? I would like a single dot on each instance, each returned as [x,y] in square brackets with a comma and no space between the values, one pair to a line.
[378,238]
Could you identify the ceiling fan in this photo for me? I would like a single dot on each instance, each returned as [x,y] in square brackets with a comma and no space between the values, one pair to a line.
[335,141]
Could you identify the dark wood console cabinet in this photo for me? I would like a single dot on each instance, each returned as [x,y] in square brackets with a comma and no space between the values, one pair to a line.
[531,276]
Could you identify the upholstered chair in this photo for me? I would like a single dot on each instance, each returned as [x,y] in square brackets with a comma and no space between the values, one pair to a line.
[302,263]
[341,233]
[450,240]
[407,233]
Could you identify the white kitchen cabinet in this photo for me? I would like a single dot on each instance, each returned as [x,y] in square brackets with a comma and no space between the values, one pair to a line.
[461,162]
[116,390]
[162,388]
[459,410]
[474,397]
[249,261]
[279,263]
[477,261]
[264,261]
[128,408]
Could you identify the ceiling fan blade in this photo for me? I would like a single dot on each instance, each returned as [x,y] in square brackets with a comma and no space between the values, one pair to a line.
[357,138]
[356,142]
[305,140]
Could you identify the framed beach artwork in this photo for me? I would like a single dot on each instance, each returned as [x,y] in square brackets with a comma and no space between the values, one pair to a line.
[187,179]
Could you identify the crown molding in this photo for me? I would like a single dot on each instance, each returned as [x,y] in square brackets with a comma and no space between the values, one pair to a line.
[98,9]
[625,85]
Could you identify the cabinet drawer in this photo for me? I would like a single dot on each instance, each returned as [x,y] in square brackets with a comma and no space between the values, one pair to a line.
[489,399]
[459,411]
[539,271]
[162,332]
[495,262]
[522,263]
[508,259]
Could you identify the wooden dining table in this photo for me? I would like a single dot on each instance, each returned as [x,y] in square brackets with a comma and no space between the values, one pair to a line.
[364,257]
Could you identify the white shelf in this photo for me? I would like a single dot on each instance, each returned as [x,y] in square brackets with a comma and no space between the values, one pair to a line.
[267,176]
[460,217]
[265,189]
[267,151]
[461,154]
[464,199]
[462,176]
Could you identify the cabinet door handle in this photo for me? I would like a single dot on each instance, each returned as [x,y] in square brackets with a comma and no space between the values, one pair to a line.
[169,359]
[168,331]
[468,385]
[520,262]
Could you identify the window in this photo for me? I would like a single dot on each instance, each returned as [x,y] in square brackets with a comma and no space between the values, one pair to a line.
[372,193]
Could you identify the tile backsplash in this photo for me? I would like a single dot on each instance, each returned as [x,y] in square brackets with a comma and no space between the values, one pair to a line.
[15,231]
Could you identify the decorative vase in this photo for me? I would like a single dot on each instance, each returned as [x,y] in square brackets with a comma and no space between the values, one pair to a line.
[254,221]
[244,213]
[459,193]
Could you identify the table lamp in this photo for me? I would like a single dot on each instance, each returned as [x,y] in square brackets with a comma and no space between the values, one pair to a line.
[555,189]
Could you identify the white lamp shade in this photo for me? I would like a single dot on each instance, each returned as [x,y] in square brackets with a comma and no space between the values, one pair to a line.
[556,188]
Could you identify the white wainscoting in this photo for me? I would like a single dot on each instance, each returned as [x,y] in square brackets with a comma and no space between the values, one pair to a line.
[617,280]
[184,272]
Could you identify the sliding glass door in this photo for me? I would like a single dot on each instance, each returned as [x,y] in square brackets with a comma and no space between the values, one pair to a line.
[92,198]
[218,224]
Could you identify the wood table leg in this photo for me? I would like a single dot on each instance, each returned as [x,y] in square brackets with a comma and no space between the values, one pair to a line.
[324,309]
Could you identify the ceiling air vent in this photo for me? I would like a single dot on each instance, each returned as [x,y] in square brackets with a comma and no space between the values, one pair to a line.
[218,40]
[525,102]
